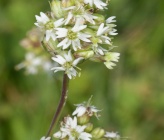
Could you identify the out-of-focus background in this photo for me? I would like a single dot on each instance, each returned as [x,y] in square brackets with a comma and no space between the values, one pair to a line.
[131,96]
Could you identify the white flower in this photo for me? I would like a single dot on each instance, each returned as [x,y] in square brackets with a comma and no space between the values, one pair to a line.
[68,64]
[98,49]
[71,130]
[98,3]
[44,138]
[109,64]
[72,36]
[111,30]
[109,57]
[45,23]
[87,108]
[82,109]
[60,135]
[78,12]
[101,34]
[111,19]
[102,29]
[100,38]
[31,63]
[112,135]
[42,19]
[112,56]
[46,65]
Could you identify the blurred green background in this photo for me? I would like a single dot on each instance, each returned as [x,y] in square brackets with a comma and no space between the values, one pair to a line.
[131,96]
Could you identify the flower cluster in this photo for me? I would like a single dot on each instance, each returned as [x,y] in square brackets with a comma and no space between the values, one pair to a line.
[75,31]
[35,58]
[79,126]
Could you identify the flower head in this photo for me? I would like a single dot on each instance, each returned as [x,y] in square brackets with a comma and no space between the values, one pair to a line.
[86,108]
[72,36]
[71,130]
[47,24]
[76,30]
[101,38]
[32,63]
[79,13]
[67,63]
[109,58]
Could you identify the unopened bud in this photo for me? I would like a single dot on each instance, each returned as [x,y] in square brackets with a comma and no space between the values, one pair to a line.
[83,119]
[98,133]
[99,18]
[89,127]
[84,54]
[68,3]
[97,58]
[50,47]
[56,8]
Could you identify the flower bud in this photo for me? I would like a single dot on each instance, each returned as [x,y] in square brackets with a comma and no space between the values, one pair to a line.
[51,47]
[83,119]
[89,127]
[56,8]
[84,54]
[99,18]
[68,3]
[97,58]
[98,133]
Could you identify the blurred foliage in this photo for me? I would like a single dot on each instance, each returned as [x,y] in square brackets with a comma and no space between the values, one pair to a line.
[131,95]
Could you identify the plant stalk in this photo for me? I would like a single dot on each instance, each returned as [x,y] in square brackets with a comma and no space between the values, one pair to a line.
[61,104]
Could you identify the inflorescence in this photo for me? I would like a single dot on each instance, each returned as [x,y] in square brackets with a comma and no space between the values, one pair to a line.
[79,125]
[75,31]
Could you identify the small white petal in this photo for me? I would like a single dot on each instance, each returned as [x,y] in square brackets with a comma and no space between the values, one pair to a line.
[109,65]
[101,29]
[69,17]
[68,56]
[74,45]
[50,34]
[84,37]
[76,61]
[44,17]
[59,22]
[67,44]
[63,42]
[79,111]
[99,4]
[56,69]
[112,135]
[89,18]
[77,28]
[61,32]
[90,2]
[111,19]
[59,59]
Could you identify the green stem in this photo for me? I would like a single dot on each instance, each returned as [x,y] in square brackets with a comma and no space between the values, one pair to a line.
[61,103]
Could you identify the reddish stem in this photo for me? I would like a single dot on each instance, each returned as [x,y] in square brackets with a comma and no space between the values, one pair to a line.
[61,103]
